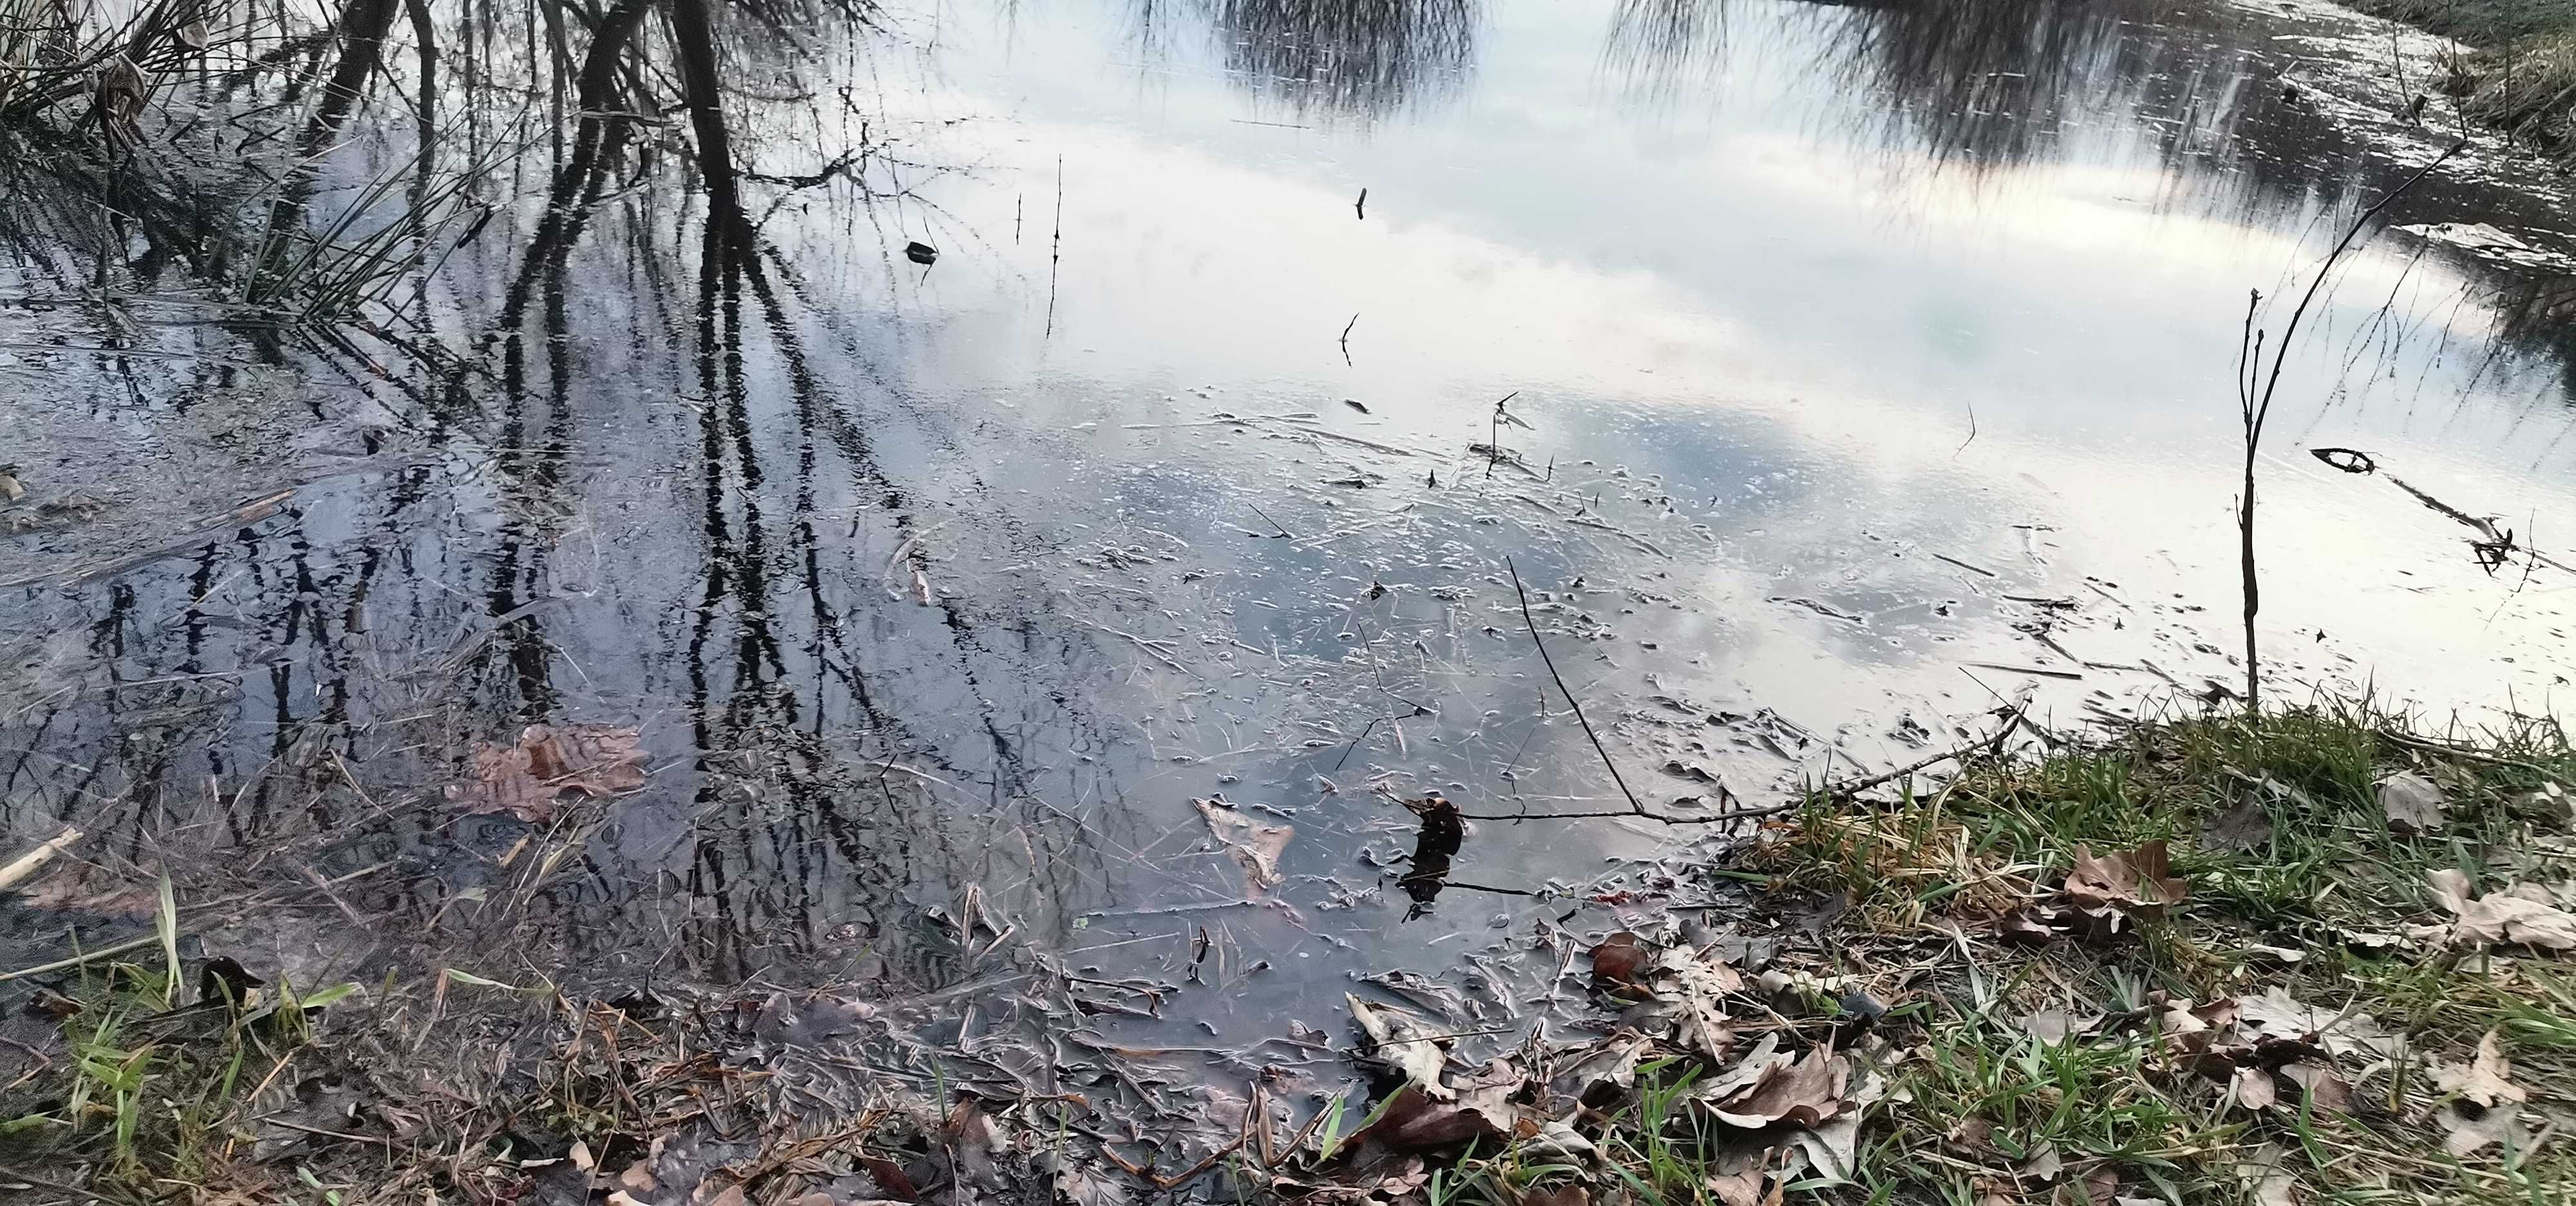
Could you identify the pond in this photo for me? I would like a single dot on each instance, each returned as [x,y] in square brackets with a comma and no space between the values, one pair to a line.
[1834,379]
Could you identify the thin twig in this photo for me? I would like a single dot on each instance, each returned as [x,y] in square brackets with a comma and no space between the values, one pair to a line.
[10,1174]
[1532,623]
[1989,745]
[104,952]
[1283,531]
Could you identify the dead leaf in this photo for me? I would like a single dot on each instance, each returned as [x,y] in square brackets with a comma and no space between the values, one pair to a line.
[2099,1187]
[639,1176]
[1400,1041]
[2270,1184]
[1971,1134]
[2140,880]
[1698,986]
[2411,802]
[1489,1091]
[2247,826]
[1803,1092]
[2469,1129]
[2509,915]
[732,1196]
[1567,1194]
[2486,1080]
[1088,1185]
[974,1143]
[2253,1088]
[2275,1015]
[2327,1091]
[1602,1074]
[526,779]
[891,1180]
[1620,959]
[2054,1026]
[1256,847]
[1765,1059]
[2044,1163]
[2277,956]
[580,1156]
[1832,1147]
[1742,1187]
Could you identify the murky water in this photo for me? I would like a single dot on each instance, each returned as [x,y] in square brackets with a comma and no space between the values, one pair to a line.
[1866,368]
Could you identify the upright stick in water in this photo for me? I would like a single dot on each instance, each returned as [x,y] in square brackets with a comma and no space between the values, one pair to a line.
[2255,408]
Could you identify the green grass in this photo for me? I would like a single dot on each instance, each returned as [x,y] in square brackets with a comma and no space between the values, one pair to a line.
[2276,824]
[2302,785]
[152,1092]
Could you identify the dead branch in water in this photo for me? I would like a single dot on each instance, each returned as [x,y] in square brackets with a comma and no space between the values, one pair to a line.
[1633,804]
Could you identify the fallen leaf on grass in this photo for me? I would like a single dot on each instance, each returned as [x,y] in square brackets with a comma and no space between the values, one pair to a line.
[2247,826]
[2327,1091]
[2523,914]
[1256,847]
[2411,803]
[2469,1129]
[2486,1080]
[1401,1042]
[1489,1092]
[2275,1016]
[527,778]
[2265,1179]
[1567,1194]
[1411,1122]
[2054,1026]
[1696,987]
[2139,881]
[1740,1188]
[1801,1092]
[1604,1073]
[2253,1088]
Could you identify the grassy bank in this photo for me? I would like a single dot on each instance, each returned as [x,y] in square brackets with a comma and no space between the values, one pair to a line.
[2311,957]
[2513,66]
